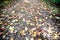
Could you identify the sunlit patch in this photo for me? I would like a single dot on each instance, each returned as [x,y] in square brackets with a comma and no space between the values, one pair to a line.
[26,1]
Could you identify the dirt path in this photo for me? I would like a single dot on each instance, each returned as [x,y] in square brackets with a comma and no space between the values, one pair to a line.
[30,14]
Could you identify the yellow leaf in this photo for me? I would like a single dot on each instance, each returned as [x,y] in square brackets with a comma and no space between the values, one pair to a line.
[0,22]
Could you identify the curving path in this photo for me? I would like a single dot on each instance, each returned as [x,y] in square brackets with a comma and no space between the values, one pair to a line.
[28,15]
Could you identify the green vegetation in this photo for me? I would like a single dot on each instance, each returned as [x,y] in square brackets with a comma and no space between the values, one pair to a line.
[52,1]
[5,2]
[55,4]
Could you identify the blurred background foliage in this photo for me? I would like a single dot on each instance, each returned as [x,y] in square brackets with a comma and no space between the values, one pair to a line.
[55,3]
[3,3]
